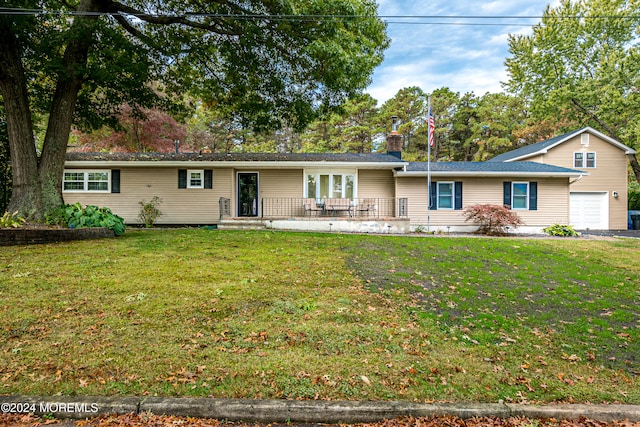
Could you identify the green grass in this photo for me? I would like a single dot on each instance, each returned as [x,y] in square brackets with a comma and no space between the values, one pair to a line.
[326,316]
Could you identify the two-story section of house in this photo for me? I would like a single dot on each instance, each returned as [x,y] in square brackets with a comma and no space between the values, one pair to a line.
[597,201]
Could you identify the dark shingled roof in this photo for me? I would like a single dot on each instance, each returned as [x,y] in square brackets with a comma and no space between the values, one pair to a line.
[533,148]
[490,167]
[235,157]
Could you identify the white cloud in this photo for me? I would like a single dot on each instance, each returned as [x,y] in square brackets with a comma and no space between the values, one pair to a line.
[464,58]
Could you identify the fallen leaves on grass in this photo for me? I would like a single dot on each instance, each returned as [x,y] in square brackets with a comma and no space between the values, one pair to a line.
[146,420]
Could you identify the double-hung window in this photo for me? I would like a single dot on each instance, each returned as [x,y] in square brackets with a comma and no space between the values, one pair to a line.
[195,178]
[98,181]
[323,185]
[445,195]
[521,195]
[584,160]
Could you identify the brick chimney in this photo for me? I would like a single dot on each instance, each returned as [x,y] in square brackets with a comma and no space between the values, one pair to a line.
[394,141]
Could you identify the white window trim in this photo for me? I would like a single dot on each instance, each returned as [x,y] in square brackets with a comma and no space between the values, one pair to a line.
[198,171]
[513,195]
[85,180]
[453,195]
[584,159]
[317,173]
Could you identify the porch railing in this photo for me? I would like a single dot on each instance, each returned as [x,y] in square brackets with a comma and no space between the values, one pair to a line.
[287,207]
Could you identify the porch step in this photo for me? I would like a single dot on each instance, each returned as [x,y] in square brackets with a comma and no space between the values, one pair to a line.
[241,224]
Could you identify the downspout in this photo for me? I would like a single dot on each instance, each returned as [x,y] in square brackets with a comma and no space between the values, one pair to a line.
[576,180]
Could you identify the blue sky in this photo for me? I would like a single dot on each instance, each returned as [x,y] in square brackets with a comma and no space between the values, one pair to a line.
[464,58]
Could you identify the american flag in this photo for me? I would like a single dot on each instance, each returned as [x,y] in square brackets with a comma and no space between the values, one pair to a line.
[432,126]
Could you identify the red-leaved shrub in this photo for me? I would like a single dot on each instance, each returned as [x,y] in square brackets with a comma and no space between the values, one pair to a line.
[492,219]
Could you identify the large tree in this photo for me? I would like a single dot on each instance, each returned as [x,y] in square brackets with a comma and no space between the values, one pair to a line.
[582,64]
[409,105]
[268,62]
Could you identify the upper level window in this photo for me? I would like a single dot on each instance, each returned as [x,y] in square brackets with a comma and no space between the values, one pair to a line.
[584,160]
[330,185]
[94,181]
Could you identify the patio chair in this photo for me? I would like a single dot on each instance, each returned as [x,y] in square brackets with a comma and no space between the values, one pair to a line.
[311,206]
[366,205]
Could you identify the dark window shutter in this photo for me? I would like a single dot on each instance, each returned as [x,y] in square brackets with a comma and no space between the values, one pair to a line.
[507,194]
[432,196]
[458,195]
[533,196]
[115,180]
[208,179]
[182,178]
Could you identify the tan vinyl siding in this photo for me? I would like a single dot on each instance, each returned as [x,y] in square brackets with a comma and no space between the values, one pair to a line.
[553,200]
[609,175]
[179,206]
[280,183]
[376,184]
[415,190]
[553,204]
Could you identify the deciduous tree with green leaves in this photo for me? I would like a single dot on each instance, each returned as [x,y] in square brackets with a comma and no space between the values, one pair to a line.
[582,64]
[270,62]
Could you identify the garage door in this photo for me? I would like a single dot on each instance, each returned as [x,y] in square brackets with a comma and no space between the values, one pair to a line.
[589,210]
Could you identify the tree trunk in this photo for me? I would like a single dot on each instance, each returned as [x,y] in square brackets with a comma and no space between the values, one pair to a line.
[635,166]
[37,187]
[64,101]
[25,197]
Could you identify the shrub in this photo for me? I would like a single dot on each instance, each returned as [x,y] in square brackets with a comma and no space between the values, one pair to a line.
[11,220]
[149,211]
[492,219]
[561,230]
[75,216]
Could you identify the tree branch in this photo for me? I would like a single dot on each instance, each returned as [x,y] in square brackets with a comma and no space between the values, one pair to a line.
[593,116]
[215,25]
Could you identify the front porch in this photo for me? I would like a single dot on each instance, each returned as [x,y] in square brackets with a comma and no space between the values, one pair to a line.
[370,215]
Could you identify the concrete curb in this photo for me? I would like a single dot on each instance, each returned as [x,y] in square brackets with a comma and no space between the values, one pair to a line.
[304,411]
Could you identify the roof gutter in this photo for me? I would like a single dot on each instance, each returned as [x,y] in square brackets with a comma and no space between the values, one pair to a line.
[489,174]
[230,164]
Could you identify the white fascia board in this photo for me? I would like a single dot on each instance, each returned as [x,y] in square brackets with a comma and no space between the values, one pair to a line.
[228,164]
[627,150]
[615,143]
[471,174]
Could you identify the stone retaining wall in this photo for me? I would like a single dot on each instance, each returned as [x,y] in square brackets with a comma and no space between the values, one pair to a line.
[32,236]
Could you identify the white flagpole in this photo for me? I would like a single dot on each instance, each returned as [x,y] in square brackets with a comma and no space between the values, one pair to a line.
[429,166]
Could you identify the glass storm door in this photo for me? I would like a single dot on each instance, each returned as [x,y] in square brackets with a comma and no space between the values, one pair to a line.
[248,194]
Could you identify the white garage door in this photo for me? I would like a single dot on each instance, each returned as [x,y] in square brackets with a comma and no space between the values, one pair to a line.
[589,210]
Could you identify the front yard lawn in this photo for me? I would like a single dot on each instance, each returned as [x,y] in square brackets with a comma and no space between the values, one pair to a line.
[323,316]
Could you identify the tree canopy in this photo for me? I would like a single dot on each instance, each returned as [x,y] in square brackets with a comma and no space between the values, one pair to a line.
[582,64]
[266,63]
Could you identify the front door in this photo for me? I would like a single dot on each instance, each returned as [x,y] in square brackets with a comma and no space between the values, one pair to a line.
[247,194]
